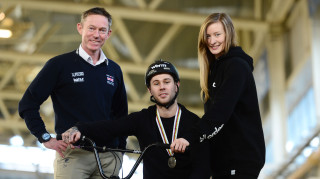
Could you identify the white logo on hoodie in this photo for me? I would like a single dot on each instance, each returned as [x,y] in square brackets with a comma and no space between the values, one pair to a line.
[215,132]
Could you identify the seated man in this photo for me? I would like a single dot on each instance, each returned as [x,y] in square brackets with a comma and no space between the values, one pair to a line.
[165,122]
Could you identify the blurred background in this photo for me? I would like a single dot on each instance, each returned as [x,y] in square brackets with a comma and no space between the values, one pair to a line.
[282,36]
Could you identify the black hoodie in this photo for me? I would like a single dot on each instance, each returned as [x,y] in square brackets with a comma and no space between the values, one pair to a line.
[232,120]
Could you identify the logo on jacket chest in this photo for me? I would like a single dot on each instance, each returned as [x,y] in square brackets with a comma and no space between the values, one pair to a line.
[78,77]
[110,80]
[214,84]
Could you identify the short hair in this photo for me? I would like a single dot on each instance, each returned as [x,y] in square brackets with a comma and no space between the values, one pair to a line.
[97,11]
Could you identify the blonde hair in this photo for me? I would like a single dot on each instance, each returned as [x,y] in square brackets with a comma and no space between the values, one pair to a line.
[204,55]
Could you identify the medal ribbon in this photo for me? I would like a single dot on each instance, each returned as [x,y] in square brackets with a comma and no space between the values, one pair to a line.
[174,131]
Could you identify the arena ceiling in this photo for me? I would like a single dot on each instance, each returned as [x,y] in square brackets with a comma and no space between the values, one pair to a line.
[143,31]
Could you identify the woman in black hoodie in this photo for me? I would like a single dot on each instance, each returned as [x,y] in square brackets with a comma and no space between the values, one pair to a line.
[232,121]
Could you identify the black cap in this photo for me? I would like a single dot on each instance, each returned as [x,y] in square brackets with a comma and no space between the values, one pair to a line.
[160,67]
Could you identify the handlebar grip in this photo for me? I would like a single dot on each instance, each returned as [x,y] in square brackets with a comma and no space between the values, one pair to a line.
[167,146]
[162,145]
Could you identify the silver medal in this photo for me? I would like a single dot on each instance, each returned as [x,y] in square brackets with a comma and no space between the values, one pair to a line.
[172,162]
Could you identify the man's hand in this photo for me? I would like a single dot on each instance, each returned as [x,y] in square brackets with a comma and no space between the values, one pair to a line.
[57,145]
[71,136]
[179,145]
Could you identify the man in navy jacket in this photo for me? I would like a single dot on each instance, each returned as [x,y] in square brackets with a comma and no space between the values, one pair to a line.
[84,86]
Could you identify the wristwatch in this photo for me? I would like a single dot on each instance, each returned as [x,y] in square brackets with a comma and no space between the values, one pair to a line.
[45,137]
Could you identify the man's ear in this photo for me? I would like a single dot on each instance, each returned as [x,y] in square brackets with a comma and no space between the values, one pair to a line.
[150,91]
[178,83]
[177,86]
[79,28]
[109,33]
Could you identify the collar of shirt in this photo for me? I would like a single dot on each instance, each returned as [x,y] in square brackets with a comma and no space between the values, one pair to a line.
[88,58]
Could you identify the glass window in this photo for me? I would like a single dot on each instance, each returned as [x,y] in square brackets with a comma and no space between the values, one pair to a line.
[301,120]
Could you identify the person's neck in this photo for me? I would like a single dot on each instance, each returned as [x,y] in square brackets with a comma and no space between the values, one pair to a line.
[167,113]
[95,55]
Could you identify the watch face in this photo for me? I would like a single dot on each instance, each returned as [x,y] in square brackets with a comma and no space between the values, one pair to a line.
[46,136]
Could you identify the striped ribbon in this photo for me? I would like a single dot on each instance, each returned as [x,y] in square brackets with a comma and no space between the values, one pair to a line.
[174,131]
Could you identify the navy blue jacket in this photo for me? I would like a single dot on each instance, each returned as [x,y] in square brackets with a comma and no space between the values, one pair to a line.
[79,92]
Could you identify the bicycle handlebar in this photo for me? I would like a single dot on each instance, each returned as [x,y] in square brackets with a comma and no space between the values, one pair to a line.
[95,151]
[105,149]
[135,166]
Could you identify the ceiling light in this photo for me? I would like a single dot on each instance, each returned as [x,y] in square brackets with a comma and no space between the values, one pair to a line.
[5,33]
